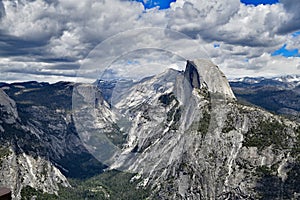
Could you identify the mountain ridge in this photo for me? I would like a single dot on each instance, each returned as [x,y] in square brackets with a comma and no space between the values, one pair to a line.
[278,95]
[173,132]
[202,135]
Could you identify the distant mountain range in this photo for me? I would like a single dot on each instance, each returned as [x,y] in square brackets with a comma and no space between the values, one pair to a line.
[280,95]
[283,82]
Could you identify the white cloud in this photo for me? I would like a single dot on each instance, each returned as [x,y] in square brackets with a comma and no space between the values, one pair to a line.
[55,31]
[137,44]
[30,20]
[68,45]
[205,13]
[229,21]
[252,26]
[293,42]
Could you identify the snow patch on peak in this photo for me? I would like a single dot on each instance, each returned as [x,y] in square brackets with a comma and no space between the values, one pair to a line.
[289,79]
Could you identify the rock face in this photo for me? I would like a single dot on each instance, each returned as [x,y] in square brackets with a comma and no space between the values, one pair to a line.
[8,108]
[191,74]
[19,169]
[210,75]
[22,170]
[188,138]
[39,146]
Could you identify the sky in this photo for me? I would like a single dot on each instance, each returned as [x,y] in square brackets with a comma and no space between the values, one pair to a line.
[74,40]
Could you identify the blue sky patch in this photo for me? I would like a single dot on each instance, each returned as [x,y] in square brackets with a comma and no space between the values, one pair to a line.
[296,34]
[163,4]
[286,52]
[216,45]
[257,2]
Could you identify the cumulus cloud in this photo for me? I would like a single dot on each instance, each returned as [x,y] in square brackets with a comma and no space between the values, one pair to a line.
[138,44]
[30,20]
[265,65]
[66,24]
[229,21]
[206,14]
[250,26]
[55,37]
[54,31]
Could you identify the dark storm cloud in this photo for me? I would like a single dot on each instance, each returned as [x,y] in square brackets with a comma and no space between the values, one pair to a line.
[232,38]
[35,71]
[16,46]
[2,10]
[56,60]
[293,24]
[65,66]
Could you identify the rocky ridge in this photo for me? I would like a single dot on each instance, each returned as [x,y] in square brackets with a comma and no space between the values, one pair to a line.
[181,134]
[188,138]
[39,143]
[18,168]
